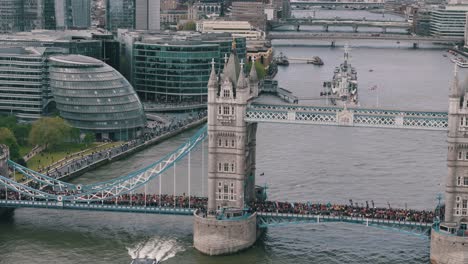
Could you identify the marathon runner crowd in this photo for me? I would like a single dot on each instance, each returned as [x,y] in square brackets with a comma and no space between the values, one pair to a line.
[182,201]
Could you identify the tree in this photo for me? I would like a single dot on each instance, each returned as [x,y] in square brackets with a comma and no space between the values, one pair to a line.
[190,26]
[261,72]
[21,133]
[49,132]
[8,121]
[8,138]
[89,138]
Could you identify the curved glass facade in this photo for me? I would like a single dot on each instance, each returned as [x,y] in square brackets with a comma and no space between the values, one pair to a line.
[174,71]
[94,97]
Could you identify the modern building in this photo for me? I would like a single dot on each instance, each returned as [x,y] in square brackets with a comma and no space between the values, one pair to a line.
[254,12]
[80,11]
[422,22]
[94,97]
[120,14]
[173,67]
[98,44]
[11,16]
[24,90]
[449,21]
[147,14]
[204,9]
[173,17]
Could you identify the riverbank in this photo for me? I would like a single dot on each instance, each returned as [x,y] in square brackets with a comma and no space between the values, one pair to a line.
[131,151]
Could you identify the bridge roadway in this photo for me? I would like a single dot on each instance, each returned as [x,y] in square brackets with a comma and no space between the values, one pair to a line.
[342,22]
[265,219]
[336,3]
[338,116]
[364,36]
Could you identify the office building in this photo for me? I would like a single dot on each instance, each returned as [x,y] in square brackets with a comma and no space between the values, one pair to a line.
[254,12]
[449,21]
[94,97]
[120,14]
[147,14]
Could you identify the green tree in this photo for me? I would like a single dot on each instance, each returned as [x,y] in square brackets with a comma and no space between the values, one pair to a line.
[89,138]
[261,72]
[190,26]
[74,134]
[8,138]
[8,121]
[49,132]
[21,133]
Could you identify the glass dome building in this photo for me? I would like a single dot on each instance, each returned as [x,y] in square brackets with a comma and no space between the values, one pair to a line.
[94,97]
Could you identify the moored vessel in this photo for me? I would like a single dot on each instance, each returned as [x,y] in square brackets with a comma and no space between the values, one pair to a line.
[343,88]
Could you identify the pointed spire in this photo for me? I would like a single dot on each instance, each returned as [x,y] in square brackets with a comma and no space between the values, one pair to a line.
[253,76]
[242,81]
[225,58]
[213,81]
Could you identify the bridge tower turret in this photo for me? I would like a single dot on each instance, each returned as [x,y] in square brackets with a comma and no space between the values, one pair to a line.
[227,227]
[449,243]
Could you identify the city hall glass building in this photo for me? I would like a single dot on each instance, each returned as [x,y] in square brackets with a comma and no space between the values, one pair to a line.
[171,69]
[94,97]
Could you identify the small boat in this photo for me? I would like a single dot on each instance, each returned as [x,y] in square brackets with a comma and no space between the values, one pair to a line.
[371,70]
[445,55]
[145,261]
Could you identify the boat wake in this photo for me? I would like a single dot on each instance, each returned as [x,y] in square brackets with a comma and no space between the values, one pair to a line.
[155,248]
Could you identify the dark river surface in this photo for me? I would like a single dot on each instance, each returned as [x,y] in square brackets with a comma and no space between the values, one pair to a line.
[300,163]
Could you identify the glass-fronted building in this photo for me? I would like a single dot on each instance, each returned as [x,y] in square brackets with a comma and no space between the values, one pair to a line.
[94,97]
[23,83]
[170,69]
[120,14]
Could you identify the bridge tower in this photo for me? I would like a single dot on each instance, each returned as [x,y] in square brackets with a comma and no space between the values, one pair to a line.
[227,226]
[449,240]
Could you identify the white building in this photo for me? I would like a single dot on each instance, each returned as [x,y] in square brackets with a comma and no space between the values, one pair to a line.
[236,28]
[449,21]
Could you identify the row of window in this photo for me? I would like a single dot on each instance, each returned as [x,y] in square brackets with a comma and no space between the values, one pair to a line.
[226,191]
[225,110]
[226,143]
[461,206]
[226,167]
[462,181]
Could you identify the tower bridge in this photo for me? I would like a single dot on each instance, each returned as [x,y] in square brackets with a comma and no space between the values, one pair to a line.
[226,221]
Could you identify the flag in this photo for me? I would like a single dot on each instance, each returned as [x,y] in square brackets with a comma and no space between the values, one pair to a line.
[373,88]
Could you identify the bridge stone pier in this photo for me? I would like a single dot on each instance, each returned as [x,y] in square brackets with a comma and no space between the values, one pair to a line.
[227,227]
[449,239]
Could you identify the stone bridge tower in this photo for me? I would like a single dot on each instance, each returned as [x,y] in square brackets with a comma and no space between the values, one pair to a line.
[449,240]
[4,156]
[227,227]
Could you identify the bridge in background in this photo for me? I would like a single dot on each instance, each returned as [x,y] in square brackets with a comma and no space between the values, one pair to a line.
[296,23]
[338,3]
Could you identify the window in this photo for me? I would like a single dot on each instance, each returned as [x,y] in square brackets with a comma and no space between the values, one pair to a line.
[226,166]
[232,167]
[459,180]
[226,143]
[219,166]
[465,181]
[232,109]
[227,93]
[219,143]
[232,143]
[219,184]
[458,198]
[460,155]
[219,110]
[465,204]
[462,121]
[466,155]
[226,110]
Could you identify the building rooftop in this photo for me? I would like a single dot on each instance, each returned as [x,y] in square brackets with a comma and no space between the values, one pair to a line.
[77,60]
[53,35]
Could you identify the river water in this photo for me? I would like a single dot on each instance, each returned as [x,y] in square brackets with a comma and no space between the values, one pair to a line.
[300,163]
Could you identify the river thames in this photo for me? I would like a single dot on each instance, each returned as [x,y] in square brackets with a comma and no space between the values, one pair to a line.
[300,163]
